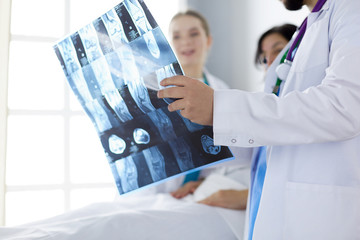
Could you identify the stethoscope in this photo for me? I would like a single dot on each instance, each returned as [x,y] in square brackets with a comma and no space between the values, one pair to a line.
[283,69]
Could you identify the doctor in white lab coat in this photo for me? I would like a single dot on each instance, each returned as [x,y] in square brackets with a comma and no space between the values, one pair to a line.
[312,183]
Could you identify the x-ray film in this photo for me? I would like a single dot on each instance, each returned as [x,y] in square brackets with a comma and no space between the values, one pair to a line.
[114,66]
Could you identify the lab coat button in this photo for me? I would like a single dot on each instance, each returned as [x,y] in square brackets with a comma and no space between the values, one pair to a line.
[251,141]
[233,140]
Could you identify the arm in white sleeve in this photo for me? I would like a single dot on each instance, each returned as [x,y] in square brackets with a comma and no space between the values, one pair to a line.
[320,103]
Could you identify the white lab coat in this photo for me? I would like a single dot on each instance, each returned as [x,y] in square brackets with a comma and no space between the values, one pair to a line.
[312,183]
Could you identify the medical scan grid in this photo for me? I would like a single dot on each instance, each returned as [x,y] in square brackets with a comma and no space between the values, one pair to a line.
[113,66]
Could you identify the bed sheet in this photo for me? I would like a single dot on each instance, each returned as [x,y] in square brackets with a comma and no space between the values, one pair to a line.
[157,216]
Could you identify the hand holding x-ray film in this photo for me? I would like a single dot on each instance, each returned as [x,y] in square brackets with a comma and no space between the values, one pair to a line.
[195,99]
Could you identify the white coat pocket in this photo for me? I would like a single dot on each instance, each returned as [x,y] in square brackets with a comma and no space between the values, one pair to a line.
[321,212]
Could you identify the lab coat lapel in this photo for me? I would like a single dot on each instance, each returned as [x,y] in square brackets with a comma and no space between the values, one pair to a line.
[313,16]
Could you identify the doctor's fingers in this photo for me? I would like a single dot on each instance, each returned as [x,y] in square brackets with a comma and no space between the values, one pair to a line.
[172,92]
[177,105]
[178,80]
[185,107]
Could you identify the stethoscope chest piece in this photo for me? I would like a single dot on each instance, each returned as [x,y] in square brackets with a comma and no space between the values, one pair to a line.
[282,71]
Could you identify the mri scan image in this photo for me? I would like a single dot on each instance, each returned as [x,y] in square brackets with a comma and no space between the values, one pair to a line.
[113,66]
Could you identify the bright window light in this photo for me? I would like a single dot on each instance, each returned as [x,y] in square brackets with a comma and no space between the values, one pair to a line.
[38,18]
[35,150]
[26,206]
[55,161]
[35,77]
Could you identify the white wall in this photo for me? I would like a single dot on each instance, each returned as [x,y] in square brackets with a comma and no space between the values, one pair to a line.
[4,53]
[236,26]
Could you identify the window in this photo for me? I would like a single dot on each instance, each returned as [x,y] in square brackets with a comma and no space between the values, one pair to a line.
[54,159]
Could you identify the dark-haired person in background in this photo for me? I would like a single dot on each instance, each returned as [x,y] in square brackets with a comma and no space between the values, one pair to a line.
[272,42]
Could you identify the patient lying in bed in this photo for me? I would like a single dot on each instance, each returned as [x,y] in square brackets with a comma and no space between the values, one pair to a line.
[153,216]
